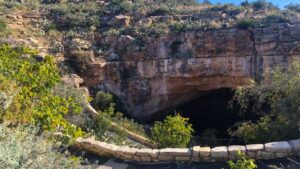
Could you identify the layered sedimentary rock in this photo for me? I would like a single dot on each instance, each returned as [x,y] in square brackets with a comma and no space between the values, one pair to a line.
[157,74]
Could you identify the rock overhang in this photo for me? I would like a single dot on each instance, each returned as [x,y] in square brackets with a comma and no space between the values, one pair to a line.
[150,80]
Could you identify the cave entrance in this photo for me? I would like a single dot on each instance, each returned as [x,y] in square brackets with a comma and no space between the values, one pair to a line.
[211,114]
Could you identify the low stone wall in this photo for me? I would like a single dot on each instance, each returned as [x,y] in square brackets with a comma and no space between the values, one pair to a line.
[196,154]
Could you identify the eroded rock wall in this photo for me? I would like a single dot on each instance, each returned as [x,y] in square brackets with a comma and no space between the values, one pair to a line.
[154,75]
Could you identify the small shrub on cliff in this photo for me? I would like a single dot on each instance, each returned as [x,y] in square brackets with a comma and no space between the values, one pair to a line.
[103,101]
[174,131]
[245,23]
[242,163]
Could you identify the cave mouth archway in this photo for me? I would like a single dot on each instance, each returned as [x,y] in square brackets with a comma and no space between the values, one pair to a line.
[212,111]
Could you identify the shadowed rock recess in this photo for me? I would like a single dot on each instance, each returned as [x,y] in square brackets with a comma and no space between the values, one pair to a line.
[160,74]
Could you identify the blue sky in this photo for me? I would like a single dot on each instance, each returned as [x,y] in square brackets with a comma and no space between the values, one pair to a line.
[279,3]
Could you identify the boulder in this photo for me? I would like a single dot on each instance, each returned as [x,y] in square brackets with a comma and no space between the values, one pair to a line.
[255,147]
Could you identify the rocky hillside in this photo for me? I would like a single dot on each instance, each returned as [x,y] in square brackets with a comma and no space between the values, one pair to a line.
[156,55]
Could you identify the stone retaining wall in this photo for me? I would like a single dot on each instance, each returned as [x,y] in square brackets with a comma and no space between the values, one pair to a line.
[196,154]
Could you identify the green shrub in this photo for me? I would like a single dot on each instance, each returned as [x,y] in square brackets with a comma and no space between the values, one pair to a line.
[242,163]
[23,148]
[174,131]
[103,101]
[245,23]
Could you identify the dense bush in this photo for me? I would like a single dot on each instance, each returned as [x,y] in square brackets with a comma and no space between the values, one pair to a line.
[34,102]
[120,6]
[174,131]
[267,129]
[22,148]
[278,95]
[72,15]
[242,163]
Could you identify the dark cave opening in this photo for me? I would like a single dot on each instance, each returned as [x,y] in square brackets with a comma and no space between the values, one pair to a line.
[212,112]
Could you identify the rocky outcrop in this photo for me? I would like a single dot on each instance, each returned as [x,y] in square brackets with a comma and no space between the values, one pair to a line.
[154,75]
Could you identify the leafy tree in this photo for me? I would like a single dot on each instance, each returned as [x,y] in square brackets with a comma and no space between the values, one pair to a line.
[242,163]
[33,99]
[174,131]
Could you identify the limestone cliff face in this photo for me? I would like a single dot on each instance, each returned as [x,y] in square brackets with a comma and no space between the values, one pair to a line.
[158,74]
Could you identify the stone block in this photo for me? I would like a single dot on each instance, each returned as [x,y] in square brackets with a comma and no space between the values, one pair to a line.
[295,146]
[281,155]
[196,151]
[255,147]
[267,155]
[201,151]
[278,147]
[146,158]
[219,153]
[233,150]
[137,158]
[205,151]
[182,158]
[166,158]
[196,159]
[150,152]
[175,151]
[258,155]
[251,154]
